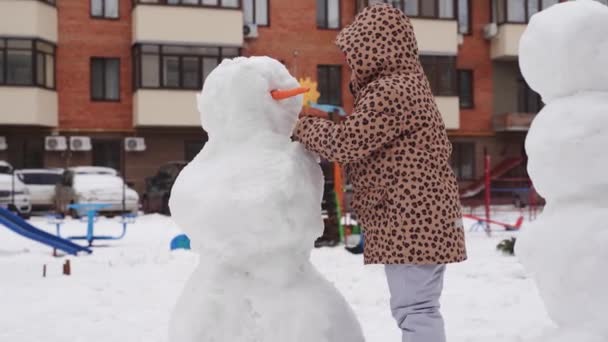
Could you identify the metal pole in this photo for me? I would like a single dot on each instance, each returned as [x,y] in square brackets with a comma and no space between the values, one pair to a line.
[124,176]
[13,189]
[488,183]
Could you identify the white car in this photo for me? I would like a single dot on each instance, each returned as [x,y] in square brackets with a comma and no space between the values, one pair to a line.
[14,195]
[93,170]
[5,167]
[41,185]
[77,187]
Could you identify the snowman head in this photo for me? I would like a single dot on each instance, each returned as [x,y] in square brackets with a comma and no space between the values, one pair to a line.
[565,48]
[249,95]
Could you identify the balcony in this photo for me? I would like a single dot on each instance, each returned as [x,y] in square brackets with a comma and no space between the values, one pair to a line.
[505,45]
[513,122]
[29,106]
[449,107]
[28,18]
[160,107]
[187,25]
[436,36]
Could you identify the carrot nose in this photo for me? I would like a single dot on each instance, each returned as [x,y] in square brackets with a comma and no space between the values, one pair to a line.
[287,93]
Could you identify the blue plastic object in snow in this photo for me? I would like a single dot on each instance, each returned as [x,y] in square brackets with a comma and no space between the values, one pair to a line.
[180,242]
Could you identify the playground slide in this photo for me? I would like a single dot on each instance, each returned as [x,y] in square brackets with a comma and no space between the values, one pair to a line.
[500,169]
[21,227]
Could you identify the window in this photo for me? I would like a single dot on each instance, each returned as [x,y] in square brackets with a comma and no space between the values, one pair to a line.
[107,153]
[256,12]
[40,178]
[203,3]
[442,9]
[465,88]
[441,73]
[105,9]
[328,14]
[105,79]
[176,67]
[528,101]
[27,62]
[463,160]
[329,78]
[464,18]
[518,11]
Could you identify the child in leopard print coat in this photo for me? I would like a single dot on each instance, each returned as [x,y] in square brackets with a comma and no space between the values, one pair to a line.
[395,150]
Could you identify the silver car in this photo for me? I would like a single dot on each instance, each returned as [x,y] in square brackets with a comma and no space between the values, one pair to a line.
[41,185]
[14,195]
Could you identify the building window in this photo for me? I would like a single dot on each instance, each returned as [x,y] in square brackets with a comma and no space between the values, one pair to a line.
[202,3]
[518,11]
[435,9]
[328,14]
[463,160]
[464,16]
[465,88]
[107,153]
[256,12]
[329,78]
[105,79]
[441,73]
[176,67]
[528,101]
[105,9]
[29,62]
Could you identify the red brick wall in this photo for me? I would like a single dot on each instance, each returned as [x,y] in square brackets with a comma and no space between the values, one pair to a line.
[474,54]
[293,28]
[80,38]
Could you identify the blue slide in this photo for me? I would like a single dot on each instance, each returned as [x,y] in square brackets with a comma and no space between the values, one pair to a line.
[21,227]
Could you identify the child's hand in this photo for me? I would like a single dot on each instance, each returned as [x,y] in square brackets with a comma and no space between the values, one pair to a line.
[313,113]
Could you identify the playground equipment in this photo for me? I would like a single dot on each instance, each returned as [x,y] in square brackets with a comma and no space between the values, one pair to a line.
[23,228]
[494,181]
[91,210]
[484,224]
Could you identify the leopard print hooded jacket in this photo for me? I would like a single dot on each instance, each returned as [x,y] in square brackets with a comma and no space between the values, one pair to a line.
[394,146]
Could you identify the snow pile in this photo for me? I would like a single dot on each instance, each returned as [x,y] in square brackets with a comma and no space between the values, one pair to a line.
[251,204]
[562,56]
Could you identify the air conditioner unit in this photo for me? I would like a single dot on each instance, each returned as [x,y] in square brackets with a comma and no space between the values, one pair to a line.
[133,144]
[3,145]
[55,143]
[250,30]
[80,144]
[490,31]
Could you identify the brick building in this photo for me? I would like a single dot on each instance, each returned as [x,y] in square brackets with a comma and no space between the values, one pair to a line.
[106,70]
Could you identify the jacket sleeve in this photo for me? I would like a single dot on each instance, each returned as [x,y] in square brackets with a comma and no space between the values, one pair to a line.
[362,133]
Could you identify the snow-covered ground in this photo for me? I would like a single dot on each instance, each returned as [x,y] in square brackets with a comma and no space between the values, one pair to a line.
[125,290]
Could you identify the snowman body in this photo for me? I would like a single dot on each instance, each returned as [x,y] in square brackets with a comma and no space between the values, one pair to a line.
[250,202]
[566,249]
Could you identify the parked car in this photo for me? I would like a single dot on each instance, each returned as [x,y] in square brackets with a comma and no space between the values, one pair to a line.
[41,184]
[14,195]
[79,187]
[158,188]
[5,167]
[93,170]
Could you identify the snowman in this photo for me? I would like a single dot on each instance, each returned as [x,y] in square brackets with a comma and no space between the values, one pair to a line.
[251,203]
[564,56]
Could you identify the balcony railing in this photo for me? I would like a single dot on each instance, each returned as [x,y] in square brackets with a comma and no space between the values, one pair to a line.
[192,25]
[29,18]
[226,4]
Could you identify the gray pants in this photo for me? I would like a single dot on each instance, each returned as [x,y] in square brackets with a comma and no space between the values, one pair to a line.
[415,292]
